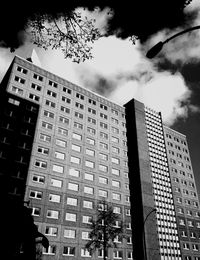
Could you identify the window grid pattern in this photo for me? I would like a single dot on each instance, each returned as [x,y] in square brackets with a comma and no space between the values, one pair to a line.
[167,230]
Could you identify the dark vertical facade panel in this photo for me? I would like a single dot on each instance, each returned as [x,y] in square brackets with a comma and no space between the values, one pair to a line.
[15,143]
[142,202]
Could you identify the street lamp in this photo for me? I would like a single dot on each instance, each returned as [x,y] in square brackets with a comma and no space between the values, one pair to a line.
[144,244]
[158,47]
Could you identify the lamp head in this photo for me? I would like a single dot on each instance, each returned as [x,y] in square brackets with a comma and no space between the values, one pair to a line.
[154,50]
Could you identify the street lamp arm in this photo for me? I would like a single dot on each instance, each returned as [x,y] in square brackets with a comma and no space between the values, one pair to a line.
[148,215]
[180,33]
[158,47]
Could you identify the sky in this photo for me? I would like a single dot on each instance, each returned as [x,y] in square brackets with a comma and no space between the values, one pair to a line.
[120,71]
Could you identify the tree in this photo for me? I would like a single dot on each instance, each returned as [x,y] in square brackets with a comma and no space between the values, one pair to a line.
[69,32]
[104,229]
[125,22]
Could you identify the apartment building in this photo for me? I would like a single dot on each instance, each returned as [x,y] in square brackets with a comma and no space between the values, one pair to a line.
[68,148]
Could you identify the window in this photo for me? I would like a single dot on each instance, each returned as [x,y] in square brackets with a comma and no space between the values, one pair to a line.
[38,77]
[76,148]
[103,107]
[127,212]
[68,91]
[51,250]
[35,194]
[38,178]
[63,120]
[65,109]
[103,135]
[85,253]
[186,246]
[87,219]
[54,198]
[69,233]
[52,214]
[129,240]
[92,102]
[91,130]
[116,196]
[73,172]
[117,210]
[92,120]
[62,131]
[104,116]
[103,168]
[103,156]
[103,125]
[20,80]
[61,143]
[78,105]
[90,141]
[88,190]
[115,160]
[51,93]
[69,251]
[117,254]
[116,184]
[59,155]
[58,168]
[79,96]
[115,130]
[70,217]
[78,115]
[114,120]
[17,90]
[22,70]
[103,193]
[34,97]
[130,255]
[13,101]
[40,164]
[89,152]
[181,222]
[92,111]
[103,146]
[36,211]
[78,125]
[56,183]
[114,139]
[103,180]
[115,112]
[89,177]
[47,125]
[66,100]
[77,136]
[36,87]
[53,84]
[127,198]
[48,114]
[115,150]
[51,231]
[75,160]
[45,138]
[73,186]
[89,164]
[50,103]
[43,150]
[72,201]
[115,172]
[85,235]
[87,204]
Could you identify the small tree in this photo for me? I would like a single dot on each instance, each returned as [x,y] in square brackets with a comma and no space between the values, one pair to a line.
[104,229]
